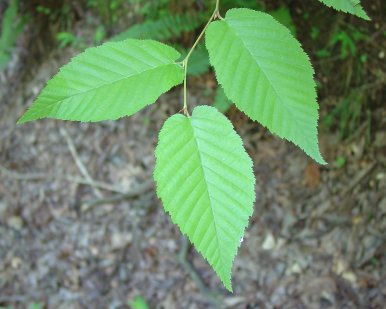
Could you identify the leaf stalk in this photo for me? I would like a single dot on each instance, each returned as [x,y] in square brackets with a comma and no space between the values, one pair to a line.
[185,62]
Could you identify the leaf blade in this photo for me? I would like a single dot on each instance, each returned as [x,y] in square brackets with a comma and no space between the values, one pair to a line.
[204,159]
[265,72]
[107,82]
[353,7]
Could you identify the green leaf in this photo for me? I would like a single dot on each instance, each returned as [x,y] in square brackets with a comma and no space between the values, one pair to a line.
[198,61]
[138,303]
[35,306]
[164,28]
[283,16]
[11,27]
[347,6]
[221,102]
[107,82]
[205,180]
[266,73]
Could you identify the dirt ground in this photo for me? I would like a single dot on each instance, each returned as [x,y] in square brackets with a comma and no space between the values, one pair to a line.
[81,226]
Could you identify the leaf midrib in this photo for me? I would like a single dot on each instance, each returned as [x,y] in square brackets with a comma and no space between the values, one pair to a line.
[266,76]
[61,101]
[207,190]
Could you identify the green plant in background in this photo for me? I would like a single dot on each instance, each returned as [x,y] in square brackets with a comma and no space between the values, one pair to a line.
[67,39]
[59,13]
[11,28]
[44,10]
[203,175]
[340,161]
[164,28]
[199,60]
[347,40]
[283,16]
[347,113]
[108,10]
[171,27]
[35,306]
[138,303]
[30,306]
[221,101]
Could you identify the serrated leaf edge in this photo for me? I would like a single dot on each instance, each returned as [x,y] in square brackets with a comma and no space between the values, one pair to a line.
[227,285]
[321,159]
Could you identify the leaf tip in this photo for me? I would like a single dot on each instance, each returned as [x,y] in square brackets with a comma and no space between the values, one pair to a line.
[366,17]
[22,120]
[321,160]
[317,156]
[228,286]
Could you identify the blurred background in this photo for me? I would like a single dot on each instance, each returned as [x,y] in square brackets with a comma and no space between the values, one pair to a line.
[80,224]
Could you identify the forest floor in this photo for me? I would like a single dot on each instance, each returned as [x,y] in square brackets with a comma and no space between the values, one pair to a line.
[81,226]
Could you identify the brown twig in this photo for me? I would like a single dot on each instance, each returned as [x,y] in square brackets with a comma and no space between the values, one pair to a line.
[358,179]
[82,168]
[132,193]
[182,259]
[44,176]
